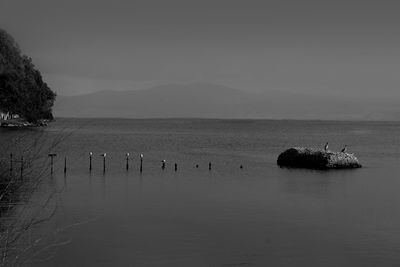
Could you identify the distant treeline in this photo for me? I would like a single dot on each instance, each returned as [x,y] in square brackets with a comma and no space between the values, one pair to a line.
[22,89]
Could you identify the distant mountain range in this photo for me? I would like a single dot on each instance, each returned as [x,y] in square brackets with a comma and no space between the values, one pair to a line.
[206,100]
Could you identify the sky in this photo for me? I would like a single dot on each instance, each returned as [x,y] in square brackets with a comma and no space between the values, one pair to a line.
[341,48]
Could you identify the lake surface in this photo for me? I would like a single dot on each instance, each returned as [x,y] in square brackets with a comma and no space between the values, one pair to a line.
[260,215]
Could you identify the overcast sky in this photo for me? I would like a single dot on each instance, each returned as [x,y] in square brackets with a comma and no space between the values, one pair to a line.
[336,47]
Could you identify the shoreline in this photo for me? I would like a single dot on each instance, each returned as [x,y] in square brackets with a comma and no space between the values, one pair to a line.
[19,123]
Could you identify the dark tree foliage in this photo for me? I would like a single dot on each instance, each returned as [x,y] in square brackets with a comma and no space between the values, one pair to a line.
[22,90]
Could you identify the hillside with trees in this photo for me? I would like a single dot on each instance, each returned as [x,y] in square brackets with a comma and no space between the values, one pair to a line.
[22,89]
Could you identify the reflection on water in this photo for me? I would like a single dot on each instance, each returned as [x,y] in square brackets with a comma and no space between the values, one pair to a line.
[260,215]
[318,184]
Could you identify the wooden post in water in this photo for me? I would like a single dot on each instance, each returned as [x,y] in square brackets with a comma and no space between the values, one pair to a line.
[176,167]
[90,161]
[52,155]
[65,165]
[22,166]
[163,164]
[141,162]
[127,161]
[209,165]
[104,162]
[11,163]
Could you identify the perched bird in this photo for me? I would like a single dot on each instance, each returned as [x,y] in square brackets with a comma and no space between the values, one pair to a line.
[344,149]
[103,155]
[326,146]
[141,156]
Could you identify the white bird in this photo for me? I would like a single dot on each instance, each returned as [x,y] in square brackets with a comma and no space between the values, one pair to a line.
[344,149]
[326,146]
[141,155]
[90,153]
[103,155]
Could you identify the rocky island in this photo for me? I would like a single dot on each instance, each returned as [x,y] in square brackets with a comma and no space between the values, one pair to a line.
[311,158]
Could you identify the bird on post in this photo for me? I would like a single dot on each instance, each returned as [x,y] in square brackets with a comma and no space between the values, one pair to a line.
[163,164]
[127,160]
[104,161]
[90,160]
[141,162]
[344,149]
[326,146]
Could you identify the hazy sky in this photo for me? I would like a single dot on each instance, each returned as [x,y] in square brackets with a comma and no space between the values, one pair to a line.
[328,47]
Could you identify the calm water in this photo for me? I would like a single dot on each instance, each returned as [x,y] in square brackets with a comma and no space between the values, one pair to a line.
[260,215]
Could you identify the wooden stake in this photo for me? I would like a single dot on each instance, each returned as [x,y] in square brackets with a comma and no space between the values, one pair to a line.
[22,166]
[52,155]
[141,162]
[11,163]
[90,161]
[104,162]
[65,164]
[163,164]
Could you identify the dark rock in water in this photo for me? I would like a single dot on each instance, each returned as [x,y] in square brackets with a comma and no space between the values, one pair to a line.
[300,157]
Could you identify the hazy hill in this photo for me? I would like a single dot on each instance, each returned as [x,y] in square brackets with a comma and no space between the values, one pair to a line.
[206,100]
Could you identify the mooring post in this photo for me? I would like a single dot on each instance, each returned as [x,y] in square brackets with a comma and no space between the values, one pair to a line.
[104,161]
[90,161]
[176,167]
[141,162]
[22,166]
[52,155]
[11,163]
[127,161]
[209,165]
[163,164]
[51,165]
[65,164]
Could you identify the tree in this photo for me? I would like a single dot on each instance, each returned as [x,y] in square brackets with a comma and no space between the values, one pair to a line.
[22,89]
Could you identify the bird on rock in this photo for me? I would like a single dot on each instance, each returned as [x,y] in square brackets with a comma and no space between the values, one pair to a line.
[326,146]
